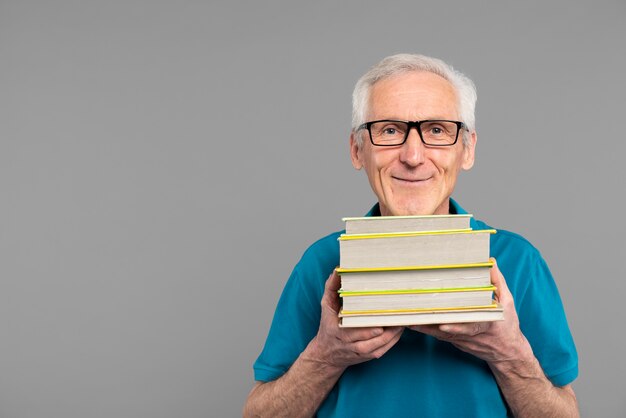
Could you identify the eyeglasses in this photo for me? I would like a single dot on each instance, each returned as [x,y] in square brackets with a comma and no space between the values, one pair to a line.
[436,133]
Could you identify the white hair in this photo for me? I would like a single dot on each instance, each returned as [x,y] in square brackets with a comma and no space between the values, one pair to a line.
[403,63]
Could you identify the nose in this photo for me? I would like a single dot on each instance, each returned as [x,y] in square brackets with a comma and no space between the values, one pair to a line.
[412,151]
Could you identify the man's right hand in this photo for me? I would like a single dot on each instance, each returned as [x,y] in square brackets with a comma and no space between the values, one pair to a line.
[300,391]
[342,347]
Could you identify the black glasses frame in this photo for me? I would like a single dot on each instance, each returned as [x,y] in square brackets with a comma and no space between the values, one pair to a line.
[410,124]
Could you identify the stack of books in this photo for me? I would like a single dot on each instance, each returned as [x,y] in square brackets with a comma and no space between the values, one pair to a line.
[415,270]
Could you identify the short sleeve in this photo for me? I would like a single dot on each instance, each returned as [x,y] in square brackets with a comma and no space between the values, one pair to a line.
[294,324]
[543,322]
[297,316]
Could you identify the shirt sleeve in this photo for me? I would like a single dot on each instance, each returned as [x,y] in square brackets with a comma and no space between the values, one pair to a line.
[543,322]
[295,323]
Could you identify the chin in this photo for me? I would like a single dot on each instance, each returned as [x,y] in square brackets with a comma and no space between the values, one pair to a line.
[402,202]
[411,210]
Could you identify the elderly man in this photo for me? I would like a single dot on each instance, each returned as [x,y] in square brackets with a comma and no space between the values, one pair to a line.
[413,133]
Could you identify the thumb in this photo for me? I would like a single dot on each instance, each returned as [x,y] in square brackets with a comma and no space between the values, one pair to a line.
[497,279]
[331,297]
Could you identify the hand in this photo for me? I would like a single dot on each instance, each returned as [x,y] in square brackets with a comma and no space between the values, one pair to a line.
[490,341]
[343,347]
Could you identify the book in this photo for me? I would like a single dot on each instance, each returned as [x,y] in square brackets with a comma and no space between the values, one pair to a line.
[416,277]
[385,224]
[414,248]
[422,317]
[411,270]
[380,300]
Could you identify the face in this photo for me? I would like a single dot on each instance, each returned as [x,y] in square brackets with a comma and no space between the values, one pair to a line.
[412,179]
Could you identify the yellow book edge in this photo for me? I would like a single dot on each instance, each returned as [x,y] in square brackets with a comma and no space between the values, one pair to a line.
[345,237]
[349,293]
[341,270]
[480,308]
[365,218]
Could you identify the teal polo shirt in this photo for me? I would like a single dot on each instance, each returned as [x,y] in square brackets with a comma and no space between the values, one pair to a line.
[421,376]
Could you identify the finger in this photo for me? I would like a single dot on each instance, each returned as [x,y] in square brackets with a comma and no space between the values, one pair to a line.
[361,334]
[469,329]
[435,331]
[432,330]
[331,297]
[503,294]
[333,283]
[497,279]
[366,347]
[378,353]
[423,328]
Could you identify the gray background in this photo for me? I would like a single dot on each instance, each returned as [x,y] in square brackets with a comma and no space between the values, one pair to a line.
[163,165]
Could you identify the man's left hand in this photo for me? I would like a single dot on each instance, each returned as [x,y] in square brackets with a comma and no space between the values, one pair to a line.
[490,341]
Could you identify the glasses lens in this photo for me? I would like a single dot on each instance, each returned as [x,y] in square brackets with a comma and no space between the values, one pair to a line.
[439,132]
[388,132]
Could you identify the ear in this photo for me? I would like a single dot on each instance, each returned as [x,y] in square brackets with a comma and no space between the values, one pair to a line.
[355,152]
[469,151]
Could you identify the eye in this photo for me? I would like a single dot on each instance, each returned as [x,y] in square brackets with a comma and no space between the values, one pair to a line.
[392,129]
[387,132]
[436,130]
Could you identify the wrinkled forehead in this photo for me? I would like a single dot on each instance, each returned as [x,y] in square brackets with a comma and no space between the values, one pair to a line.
[413,96]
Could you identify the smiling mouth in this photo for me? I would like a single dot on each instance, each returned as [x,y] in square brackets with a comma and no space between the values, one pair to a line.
[411,181]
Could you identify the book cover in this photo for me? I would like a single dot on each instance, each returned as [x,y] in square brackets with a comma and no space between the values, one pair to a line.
[414,248]
[385,224]
[416,277]
[416,298]
[490,313]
